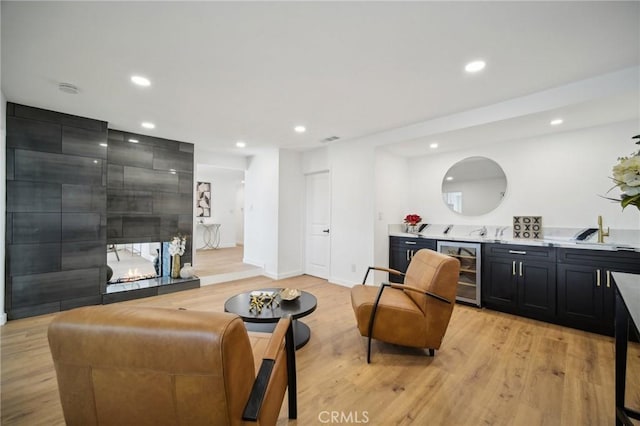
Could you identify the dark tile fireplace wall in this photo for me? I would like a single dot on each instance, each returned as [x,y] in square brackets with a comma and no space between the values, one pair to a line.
[68,197]
[149,189]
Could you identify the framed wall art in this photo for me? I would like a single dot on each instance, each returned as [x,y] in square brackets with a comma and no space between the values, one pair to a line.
[203,199]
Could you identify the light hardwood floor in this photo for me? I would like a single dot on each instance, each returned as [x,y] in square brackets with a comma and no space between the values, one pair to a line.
[220,261]
[493,368]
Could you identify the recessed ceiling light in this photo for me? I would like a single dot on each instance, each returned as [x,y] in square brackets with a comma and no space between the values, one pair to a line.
[95,161]
[104,144]
[148,125]
[475,66]
[300,129]
[449,178]
[556,122]
[433,145]
[241,144]
[134,140]
[140,81]
[172,170]
[242,181]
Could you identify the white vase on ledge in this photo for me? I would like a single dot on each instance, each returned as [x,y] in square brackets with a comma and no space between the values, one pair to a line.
[187,271]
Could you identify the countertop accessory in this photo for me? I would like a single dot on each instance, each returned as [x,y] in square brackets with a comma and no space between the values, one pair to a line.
[527,227]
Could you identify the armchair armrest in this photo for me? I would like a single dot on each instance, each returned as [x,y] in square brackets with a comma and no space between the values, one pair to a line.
[282,336]
[407,287]
[380,268]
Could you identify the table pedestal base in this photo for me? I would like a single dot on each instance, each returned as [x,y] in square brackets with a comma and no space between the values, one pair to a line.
[301,331]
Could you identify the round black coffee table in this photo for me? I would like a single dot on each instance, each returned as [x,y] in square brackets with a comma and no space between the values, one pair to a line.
[265,321]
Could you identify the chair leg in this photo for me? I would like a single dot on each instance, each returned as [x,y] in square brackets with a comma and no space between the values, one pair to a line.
[371,320]
[432,352]
[292,385]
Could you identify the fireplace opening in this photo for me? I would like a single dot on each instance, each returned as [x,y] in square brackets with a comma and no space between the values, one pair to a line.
[135,261]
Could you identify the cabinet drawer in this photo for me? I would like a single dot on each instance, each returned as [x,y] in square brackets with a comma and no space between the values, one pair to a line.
[624,261]
[537,253]
[411,243]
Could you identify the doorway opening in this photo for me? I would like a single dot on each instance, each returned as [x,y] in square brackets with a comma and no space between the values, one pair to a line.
[219,228]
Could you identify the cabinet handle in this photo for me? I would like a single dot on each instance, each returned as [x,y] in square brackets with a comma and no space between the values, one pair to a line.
[521,269]
[608,279]
[413,253]
[513,268]
[410,242]
[597,277]
[517,252]
[407,255]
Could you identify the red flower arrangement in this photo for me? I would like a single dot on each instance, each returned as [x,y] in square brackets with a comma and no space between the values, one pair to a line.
[412,219]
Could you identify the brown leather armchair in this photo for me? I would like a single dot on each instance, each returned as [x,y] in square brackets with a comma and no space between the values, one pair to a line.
[120,365]
[415,313]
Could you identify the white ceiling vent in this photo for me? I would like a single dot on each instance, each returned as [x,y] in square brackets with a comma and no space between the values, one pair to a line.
[330,139]
[69,88]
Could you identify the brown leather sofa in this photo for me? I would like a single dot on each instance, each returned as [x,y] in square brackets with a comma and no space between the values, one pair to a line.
[415,313]
[131,365]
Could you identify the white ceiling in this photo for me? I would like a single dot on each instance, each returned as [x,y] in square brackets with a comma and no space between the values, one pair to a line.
[222,72]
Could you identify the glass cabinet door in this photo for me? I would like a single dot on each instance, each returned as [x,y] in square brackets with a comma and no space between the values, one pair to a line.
[469,256]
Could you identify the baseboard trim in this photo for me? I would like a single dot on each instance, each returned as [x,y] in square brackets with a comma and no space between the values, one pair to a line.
[253,262]
[344,283]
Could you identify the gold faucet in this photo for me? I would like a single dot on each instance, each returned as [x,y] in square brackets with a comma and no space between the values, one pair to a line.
[601,233]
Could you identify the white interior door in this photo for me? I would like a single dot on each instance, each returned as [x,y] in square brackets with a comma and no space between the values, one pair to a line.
[317,229]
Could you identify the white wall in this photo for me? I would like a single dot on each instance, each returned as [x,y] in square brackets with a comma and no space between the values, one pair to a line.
[239,216]
[220,160]
[291,215]
[560,177]
[3,198]
[352,167]
[261,211]
[316,160]
[392,191]
[224,200]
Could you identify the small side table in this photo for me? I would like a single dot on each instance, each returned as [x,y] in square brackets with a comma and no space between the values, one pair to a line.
[210,236]
[265,321]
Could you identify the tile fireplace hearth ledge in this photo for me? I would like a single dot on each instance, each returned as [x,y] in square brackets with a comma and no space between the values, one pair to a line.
[146,288]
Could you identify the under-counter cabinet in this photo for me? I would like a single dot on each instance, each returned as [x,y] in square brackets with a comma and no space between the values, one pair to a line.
[520,280]
[402,250]
[585,287]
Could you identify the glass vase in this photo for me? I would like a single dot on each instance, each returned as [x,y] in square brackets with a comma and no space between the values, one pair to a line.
[175,266]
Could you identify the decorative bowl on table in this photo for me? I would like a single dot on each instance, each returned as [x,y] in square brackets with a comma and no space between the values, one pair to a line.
[288,294]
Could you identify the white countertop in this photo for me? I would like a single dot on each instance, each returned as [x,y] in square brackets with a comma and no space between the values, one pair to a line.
[620,239]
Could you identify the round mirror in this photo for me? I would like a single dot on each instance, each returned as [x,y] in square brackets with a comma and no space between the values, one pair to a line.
[474,186]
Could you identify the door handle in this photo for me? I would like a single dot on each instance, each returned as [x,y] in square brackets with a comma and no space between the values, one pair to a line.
[325,231]
[513,268]
[407,255]
[608,279]
[521,269]
[597,277]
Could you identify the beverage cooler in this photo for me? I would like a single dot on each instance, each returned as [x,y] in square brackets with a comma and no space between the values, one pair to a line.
[469,256]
